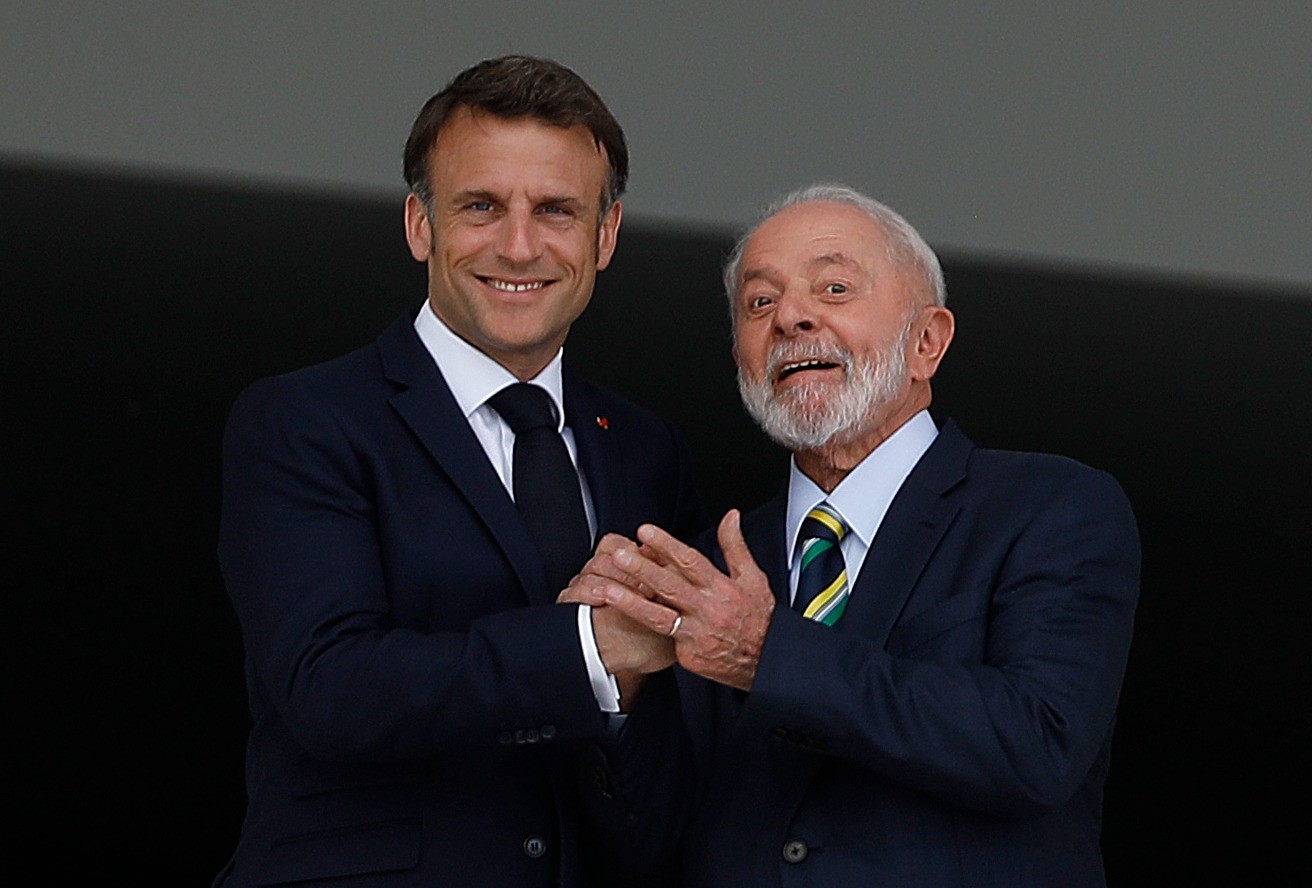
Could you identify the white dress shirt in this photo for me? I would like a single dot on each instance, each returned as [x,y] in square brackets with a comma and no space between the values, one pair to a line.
[473,377]
[862,498]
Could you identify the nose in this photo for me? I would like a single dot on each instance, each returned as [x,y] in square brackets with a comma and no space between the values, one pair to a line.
[794,313]
[519,242]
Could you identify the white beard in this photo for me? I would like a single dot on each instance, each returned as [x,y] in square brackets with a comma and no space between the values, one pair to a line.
[802,418]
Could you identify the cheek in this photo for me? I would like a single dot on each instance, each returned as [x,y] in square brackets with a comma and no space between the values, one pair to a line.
[460,242]
[575,249]
[751,352]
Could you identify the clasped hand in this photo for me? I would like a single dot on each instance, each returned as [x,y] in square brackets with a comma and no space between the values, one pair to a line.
[657,601]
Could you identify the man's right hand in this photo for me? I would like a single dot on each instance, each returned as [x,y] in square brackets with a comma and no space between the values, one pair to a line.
[628,650]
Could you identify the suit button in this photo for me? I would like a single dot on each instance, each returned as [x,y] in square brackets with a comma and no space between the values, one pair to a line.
[548,731]
[532,735]
[795,851]
[505,738]
[535,846]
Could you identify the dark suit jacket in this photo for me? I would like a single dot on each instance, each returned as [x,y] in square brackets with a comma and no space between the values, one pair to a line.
[953,729]
[422,713]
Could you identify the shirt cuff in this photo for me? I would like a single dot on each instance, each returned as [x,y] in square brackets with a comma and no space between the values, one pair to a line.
[604,687]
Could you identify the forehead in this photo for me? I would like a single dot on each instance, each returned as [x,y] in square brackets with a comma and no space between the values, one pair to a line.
[814,235]
[480,151]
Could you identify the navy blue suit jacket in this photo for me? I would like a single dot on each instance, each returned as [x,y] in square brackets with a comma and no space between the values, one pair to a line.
[953,729]
[422,713]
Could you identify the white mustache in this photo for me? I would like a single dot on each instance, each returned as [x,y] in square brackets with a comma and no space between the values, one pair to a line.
[792,351]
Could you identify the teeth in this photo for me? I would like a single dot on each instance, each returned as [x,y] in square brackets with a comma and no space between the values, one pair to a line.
[792,367]
[508,287]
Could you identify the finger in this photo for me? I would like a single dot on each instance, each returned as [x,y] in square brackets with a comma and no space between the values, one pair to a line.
[690,564]
[588,590]
[652,579]
[652,555]
[606,547]
[610,542]
[737,557]
[656,617]
[604,566]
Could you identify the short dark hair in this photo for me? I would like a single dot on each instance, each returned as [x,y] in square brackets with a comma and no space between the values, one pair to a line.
[514,87]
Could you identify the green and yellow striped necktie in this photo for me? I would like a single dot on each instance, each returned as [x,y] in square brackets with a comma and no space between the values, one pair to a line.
[822,588]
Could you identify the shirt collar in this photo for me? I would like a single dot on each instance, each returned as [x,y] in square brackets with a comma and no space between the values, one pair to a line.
[472,376]
[863,497]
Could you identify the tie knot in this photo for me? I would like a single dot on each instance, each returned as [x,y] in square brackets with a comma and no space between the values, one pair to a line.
[825,523]
[523,407]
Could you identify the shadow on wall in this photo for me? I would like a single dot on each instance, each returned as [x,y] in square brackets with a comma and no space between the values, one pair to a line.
[138,308]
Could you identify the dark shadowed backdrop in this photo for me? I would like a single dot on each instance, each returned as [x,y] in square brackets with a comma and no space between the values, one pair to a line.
[137,308]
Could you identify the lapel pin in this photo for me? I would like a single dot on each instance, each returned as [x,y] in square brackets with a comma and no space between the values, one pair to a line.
[603,422]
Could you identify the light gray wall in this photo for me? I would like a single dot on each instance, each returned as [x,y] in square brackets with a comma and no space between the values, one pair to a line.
[1171,136]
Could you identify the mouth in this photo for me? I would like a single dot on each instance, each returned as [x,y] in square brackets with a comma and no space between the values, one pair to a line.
[509,286]
[804,366]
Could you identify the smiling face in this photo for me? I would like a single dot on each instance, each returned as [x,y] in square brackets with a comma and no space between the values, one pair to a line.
[810,412]
[515,235]
[835,341]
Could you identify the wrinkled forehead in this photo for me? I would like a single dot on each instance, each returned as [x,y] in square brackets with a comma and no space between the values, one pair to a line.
[811,237]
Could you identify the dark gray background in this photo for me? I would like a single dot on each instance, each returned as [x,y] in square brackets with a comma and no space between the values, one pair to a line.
[1148,133]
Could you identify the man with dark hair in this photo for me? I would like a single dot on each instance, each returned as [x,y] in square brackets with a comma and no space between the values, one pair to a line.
[517,87]
[398,524]
[904,669]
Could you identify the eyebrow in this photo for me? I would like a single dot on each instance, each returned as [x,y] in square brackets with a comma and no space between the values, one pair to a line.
[473,194]
[483,194]
[561,200]
[819,262]
[751,274]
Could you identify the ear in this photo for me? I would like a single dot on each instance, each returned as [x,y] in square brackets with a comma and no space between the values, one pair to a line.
[930,337]
[608,234]
[418,228]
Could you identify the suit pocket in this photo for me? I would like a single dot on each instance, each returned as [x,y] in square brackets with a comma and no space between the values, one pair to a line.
[914,633]
[387,846]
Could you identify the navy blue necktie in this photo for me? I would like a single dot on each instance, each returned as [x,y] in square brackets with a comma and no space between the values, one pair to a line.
[545,482]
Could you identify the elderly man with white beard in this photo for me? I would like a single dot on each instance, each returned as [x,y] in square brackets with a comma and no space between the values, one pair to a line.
[904,669]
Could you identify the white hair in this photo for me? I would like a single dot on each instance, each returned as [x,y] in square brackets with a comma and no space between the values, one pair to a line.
[903,243]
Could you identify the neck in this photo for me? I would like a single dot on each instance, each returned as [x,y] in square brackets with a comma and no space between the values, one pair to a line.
[828,464]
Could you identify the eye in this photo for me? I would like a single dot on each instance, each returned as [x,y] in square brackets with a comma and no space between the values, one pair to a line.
[758,301]
[835,289]
[480,206]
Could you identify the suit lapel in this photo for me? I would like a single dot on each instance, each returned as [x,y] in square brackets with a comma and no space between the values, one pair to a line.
[917,519]
[764,531]
[598,451]
[426,405]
